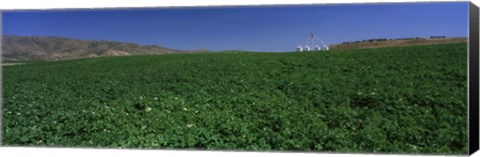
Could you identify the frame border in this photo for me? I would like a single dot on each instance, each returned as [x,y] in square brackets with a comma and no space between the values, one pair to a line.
[473,97]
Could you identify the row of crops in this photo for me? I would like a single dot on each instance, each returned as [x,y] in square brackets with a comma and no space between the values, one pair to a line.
[402,100]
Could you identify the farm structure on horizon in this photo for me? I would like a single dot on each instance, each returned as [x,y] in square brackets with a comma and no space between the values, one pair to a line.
[311,40]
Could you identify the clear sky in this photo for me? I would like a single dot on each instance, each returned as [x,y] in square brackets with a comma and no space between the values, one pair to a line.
[255,28]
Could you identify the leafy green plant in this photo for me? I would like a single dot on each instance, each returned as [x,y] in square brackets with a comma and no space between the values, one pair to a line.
[402,100]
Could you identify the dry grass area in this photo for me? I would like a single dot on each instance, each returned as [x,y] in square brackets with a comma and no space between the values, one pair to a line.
[10,64]
[396,43]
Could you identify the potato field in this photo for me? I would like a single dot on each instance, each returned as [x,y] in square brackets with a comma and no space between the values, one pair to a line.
[392,100]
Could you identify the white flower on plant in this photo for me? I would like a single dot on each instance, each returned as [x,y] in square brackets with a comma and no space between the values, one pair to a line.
[184,108]
[155,98]
[189,125]
[414,147]
[148,109]
[141,97]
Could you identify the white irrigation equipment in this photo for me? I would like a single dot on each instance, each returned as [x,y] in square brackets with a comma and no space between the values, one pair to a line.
[299,48]
[307,48]
[311,40]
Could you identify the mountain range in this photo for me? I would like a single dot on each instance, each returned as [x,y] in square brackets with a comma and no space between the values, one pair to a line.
[22,48]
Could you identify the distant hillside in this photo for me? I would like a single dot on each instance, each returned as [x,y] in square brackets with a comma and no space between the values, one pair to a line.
[395,42]
[55,48]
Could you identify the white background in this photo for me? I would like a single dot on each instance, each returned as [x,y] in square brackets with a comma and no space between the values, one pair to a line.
[73,152]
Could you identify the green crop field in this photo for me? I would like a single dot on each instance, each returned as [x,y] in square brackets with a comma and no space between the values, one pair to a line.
[401,100]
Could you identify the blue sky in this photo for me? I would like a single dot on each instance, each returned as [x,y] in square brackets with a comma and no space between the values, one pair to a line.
[254,28]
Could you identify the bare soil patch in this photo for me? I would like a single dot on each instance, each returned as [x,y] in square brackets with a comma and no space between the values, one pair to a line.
[397,43]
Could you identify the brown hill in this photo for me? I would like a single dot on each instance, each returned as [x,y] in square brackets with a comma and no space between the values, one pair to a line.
[396,43]
[55,48]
